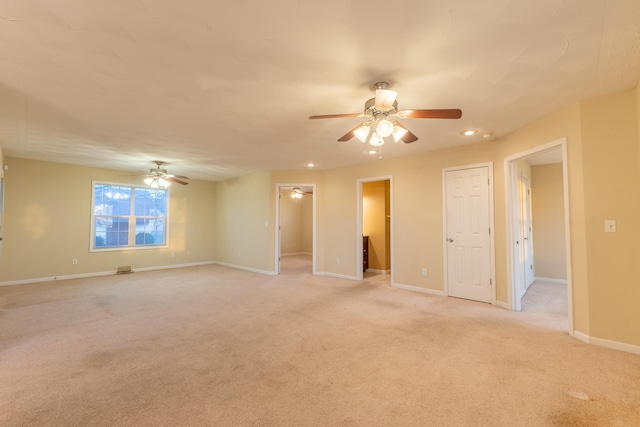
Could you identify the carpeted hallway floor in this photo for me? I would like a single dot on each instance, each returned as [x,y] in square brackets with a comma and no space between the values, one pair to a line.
[213,346]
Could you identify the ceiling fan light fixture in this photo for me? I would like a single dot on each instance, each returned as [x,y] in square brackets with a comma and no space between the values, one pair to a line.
[398,133]
[156,182]
[362,132]
[296,193]
[376,140]
[385,98]
[384,128]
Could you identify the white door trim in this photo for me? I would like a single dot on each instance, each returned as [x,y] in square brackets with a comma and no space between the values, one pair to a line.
[492,252]
[277,227]
[527,238]
[359,226]
[510,180]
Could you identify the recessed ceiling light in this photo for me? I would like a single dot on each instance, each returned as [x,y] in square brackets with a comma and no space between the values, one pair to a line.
[311,165]
[469,132]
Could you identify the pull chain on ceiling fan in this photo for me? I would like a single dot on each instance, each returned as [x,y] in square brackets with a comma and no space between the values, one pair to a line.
[382,111]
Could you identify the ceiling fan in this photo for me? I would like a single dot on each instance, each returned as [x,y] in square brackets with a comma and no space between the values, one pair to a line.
[297,193]
[159,178]
[381,123]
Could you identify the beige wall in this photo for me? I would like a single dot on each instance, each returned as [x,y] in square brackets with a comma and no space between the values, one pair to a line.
[48,223]
[375,223]
[547,196]
[612,191]
[243,222]
[417,212]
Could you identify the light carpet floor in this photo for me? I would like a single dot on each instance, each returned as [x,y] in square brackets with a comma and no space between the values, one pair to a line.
[214,346]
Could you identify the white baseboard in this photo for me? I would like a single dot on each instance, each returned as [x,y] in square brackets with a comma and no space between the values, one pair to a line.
[581,337]
[503,304]
[164,267]
[337,276]
[242,267]
[97,274]
[418,289]
[600,342]
[546,279]
[56,278]
[522,293]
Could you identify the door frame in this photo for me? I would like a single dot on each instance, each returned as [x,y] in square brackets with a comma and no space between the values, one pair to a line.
[511,205]
[360,220]
[279,187]
[527,237]
[492,250]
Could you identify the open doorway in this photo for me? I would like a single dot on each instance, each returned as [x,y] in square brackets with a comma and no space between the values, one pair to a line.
[295,230]
[375,230]
[538,233]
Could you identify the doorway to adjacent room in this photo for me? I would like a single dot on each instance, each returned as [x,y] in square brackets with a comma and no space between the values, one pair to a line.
[375,227]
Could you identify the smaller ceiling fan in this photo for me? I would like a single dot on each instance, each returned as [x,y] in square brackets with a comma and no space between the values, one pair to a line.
[159,178]
[297,193]
[381,112]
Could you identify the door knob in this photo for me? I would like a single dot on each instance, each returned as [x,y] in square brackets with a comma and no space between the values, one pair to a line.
[450,240]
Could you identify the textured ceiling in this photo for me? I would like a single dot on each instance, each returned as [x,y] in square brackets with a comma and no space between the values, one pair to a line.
[222,89]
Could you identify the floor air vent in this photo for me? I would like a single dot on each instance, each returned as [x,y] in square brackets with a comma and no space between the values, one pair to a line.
[125,269]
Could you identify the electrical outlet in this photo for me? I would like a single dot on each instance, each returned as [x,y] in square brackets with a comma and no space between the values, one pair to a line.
[338,261]
[610,225]
[424,271]
[173,254]
[74,261]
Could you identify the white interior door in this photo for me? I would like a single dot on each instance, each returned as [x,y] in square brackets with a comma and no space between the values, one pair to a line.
[527,232]
[468,234]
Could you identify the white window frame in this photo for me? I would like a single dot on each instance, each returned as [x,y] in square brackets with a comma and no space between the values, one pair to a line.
[132,222]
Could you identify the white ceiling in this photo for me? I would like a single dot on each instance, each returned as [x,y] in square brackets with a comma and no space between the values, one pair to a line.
[546,157]
[220,89]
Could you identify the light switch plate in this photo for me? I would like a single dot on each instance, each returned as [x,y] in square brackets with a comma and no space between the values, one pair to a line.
[610,225]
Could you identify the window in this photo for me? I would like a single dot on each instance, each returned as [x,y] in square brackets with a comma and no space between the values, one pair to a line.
[126,216]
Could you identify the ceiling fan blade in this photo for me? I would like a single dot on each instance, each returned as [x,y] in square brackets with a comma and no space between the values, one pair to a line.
[385,98]
[335,116]
[453,113]
[176,180]
[347,136]
[178,176]
[408,137]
